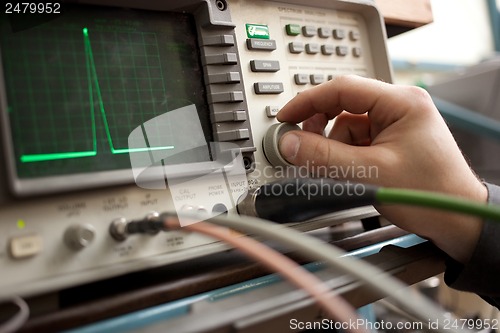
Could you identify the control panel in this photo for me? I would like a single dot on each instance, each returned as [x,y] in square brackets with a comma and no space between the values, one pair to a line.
[119,110]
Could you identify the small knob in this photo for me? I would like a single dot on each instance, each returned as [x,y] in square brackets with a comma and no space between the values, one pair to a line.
[79,236]
[271,140]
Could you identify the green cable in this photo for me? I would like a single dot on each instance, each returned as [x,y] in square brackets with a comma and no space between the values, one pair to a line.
[440,201]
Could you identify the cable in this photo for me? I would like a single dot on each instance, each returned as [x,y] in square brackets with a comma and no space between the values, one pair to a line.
[270,200]
[336,307]
[18,320]
[295,200]
[439,201]
[380,282]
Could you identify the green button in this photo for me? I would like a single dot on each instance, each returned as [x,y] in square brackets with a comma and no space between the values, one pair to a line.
[257,31]
[293,29]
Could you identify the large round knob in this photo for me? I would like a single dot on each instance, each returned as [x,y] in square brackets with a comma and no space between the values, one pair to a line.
[271,141]
[79,236]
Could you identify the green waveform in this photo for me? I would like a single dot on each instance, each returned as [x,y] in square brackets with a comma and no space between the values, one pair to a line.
[92,76]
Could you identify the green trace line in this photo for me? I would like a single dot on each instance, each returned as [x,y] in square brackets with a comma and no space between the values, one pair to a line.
[56,156]
[92,76]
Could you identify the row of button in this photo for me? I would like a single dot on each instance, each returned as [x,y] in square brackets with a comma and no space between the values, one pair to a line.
[264,66]
[302,79]
[327,49]
[322,32]
[230,77]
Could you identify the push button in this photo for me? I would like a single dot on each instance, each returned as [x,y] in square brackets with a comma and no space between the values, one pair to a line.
[262,88]
[25,246]
[261,44]
[327,49]
[341,51]
[296,47]
[301,79]
[265,65]
[222,59]
[229,77]
[236,115]
[354,35]
[339,34]
[324,32]
[272,111]
[317,79]
[292,29]
[239,134]
[257,31]
[226,97]
[309,30]
[312,48]
[221,40]
[356,52]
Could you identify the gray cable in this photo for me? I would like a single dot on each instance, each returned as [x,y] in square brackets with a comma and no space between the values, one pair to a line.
[381,282]
[18,320]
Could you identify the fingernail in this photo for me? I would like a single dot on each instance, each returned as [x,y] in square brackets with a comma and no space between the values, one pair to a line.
[289,146]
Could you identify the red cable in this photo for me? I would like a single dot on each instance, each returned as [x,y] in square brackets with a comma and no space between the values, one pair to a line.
[335,306]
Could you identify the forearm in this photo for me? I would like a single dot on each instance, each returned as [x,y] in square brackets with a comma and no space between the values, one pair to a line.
[454,233]
[480,273]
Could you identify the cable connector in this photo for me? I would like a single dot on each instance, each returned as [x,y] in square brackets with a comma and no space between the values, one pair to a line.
[120,228]
[151,227]
[297,200]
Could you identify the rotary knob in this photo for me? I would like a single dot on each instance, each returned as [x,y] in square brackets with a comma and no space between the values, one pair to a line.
[271,140]
[79,236]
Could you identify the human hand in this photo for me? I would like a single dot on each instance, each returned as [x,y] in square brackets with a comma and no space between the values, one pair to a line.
[396,131]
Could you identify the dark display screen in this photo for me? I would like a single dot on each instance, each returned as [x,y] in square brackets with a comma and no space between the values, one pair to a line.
[79,83]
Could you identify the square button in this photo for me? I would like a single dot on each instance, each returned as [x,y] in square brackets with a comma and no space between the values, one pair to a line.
[317,79]
[338,34]
[292,29]
[296,47]
[312,48]
[324,32]
[272,111]
[327,49]
[301,79]
[342,51]
[309,30]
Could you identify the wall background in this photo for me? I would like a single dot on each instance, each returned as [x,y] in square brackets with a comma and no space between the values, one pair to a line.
[460,35]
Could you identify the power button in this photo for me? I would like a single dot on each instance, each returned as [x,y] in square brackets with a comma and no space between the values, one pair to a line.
[25,246]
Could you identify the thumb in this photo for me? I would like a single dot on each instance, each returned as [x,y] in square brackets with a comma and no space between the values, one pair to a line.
[329,158]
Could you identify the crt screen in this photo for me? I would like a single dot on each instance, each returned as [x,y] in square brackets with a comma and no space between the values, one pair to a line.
[78,83]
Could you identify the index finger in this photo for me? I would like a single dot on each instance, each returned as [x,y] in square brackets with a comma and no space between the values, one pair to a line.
[351,93]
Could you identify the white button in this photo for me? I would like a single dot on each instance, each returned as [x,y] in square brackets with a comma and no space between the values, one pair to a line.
[312,48]
[354,35]
[25,246]
[324,32]
[272,111]
[301,79]
[356,52]
[296,47]
[309,30]
[317,78]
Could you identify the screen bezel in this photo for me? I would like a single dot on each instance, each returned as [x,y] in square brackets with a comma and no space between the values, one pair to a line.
[81,181]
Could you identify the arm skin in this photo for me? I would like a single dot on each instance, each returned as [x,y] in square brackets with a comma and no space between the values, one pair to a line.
[398,131]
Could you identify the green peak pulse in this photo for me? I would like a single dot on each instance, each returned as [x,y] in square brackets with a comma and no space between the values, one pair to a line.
[93,83]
